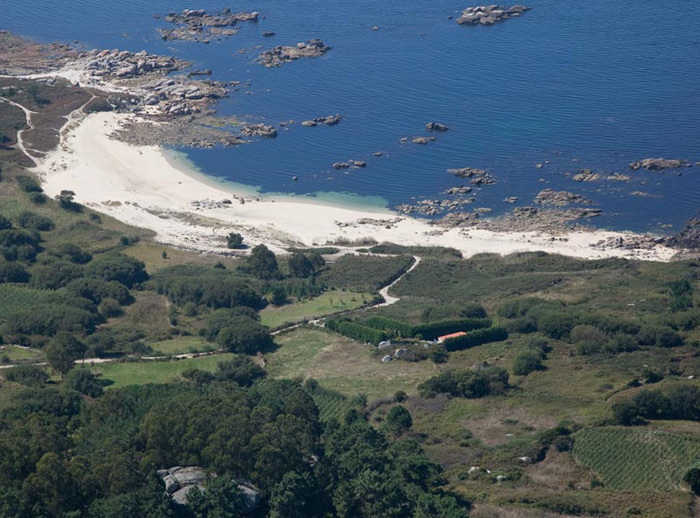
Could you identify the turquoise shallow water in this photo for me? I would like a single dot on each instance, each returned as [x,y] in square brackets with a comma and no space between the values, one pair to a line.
[582,84]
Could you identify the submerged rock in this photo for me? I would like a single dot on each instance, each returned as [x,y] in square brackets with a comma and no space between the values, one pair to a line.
[559,198]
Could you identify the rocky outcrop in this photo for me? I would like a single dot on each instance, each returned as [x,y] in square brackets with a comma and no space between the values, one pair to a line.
[180,481]
[436,126]
[116,64]
[350,163]
[657,164]
[490,14]
[198,25]
[278,56]
[180,96]
[330,120]
[559,198]
[477,177]
[423,140]
[688,238]
[258,130]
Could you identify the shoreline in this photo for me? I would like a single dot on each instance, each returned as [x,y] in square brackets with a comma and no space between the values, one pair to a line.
[140,186]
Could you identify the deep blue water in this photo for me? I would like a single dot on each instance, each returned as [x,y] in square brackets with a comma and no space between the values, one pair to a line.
[592,84]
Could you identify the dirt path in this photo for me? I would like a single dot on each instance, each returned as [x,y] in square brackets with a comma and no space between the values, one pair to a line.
[20,140]
[384,292]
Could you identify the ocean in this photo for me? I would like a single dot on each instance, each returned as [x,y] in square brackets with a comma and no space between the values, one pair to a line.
[592,85]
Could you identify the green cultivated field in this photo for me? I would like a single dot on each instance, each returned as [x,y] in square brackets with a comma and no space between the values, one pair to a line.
[640,459]
[325,304]
[15,296]
[132,373]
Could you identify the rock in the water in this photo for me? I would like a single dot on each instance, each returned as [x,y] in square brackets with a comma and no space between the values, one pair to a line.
[198,25]
[259,130]
[559,198]
[586,175]
[278,56]
[423,140]
[330,120]
[435,126]
[657,164]
[490,14]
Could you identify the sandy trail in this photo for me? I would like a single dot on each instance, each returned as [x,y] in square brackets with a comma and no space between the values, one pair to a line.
[20,141]
[142,186]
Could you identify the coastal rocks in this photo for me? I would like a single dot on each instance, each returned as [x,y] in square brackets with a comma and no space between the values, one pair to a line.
[632,242]
[179,481]
[490,14]
[435,126]
[478,177]
[179,132]
[330,120]
[359,164]
[116,64]
[258,130]
[455,191]
[586,175]
[688,237]
[559,198]
[423,140]
[198,25]
[617,177]
[278,56]
[181,96]
[657,164]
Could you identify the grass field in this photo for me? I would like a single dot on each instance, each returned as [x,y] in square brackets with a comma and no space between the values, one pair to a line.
[151,254]
[325,304]
[637,458]
[343,365]
[19,354]
[182,345]
[132,373]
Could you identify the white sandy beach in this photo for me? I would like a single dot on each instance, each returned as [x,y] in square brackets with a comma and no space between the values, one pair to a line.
[140,186]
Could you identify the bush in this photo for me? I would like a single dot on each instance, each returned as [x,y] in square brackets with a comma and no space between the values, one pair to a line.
[240,369]
[110,308]
[521,325]
[29,375]
[117,267]
[12,272]
[221,318]
[527,362]
[398,421]
[263,263]
[476,337]
[55,275]
[234,241]
[659,336]
[38,198]
[5,224]
[439,354]
[466,383]
[244,335]
[556,324]
[692,478]
[28,184]
[49,319]
[72,253]
[85,382]
[33,221]
[389,326]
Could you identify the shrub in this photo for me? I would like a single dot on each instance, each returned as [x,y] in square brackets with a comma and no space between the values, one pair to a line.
[263,263]
[117,267]
[659,336]
[38,198]
[55,275]
[521,325]
[439,354]
[85,382]
[12,272]
[527,362]
[72,253]
[29,375]
[48,319]
[398,421]
[556,324]
[234,241]
[240,369]
[692,478]
[110,308]
[28,184]
[33,221]
[466,383]
[5,223]
[244,335]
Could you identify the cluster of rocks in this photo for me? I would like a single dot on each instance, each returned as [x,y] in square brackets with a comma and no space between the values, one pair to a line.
[559,198]
[436,126]
[349,164]
[456,191]
[198,25]
[657,164]
[423,141]
[179,132]
[180,96]
[278,56]
[430,207]
[116,64]
[478,177]
[258,130]
[632,242]
[330,120]
[587,175]
[525,219]
[180,481]
[490,14]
